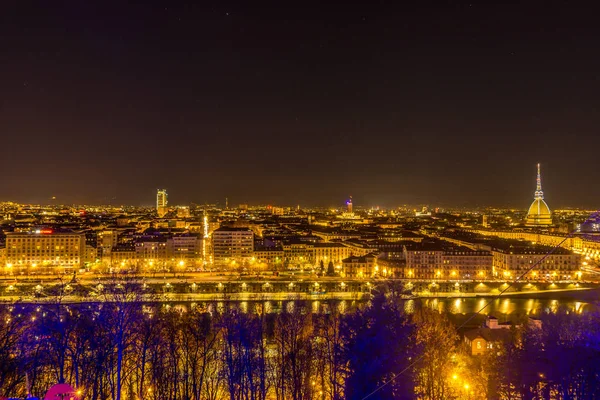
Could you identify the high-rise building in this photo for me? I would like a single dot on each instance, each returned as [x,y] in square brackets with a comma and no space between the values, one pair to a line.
[349,205]
[161,202]
[484,222]
[539,213]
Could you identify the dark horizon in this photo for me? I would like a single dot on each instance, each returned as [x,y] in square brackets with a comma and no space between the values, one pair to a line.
[299,104]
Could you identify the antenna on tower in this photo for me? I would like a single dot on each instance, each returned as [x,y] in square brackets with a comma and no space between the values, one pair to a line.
[539,194]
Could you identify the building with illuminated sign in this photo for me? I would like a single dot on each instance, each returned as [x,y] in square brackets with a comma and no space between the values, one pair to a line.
[43,249]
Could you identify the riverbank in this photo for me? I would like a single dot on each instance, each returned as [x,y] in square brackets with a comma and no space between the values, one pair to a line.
[186,289]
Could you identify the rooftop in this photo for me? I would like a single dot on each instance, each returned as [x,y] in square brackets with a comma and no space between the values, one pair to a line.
[232,229]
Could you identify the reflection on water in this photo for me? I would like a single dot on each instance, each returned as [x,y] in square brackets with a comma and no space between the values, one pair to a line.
[268,307]
[506,306]
[553,307]
[464,306]
[409,306]
[290,307]
[342,306]
[315,306]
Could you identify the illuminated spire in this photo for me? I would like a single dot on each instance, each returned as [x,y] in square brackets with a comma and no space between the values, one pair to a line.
[539,194]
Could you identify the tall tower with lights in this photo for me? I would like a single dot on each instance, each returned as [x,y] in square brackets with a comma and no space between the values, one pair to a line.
[161,202]
[349,205]
[539,213]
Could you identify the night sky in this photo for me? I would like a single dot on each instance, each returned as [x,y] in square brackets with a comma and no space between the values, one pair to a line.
[292,103]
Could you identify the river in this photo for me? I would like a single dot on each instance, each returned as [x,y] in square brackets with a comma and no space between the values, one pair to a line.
[504,308]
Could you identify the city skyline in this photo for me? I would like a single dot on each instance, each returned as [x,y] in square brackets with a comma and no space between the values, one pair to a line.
[161,202]
[284,200]
[292,104]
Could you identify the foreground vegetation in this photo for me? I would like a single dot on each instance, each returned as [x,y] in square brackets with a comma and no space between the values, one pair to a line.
[120,348]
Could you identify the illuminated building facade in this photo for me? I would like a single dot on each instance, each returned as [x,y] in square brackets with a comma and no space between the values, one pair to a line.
[464,263]
[232,245]
[277,210]
[161,202]
[157,252]
[334,252]
[439,260]
[183,212]
[107,239]
[298,254]
[491,336]
[484,222]
[511,262]
[539,213]
[269,257]
[43,249]
[424,261]
[585,246]
[515,253]
[123,257]
[328,234]
[151,249]
[359,267]
[187,248]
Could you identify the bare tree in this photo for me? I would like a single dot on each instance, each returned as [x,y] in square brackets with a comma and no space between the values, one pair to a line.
[123,311]
[437,339]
